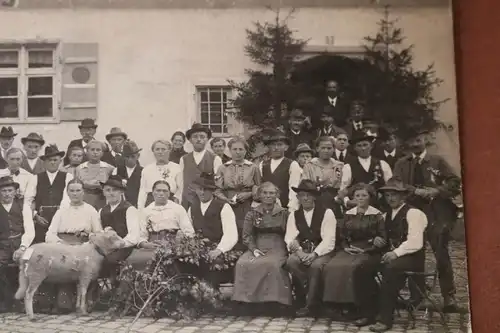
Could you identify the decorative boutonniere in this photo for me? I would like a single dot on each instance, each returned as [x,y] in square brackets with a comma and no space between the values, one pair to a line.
[124,182]
[164,173]
[149,226]
[258,220]
[435,173]
[377,174]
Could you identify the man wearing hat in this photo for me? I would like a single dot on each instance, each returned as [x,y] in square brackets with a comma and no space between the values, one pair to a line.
[388,150]
[296,131]
[405,228]
[364,168]
[216,221]
[196,162]
[50,192]
[303,154]
[283,172]
[328,127]
[433,185]
[7,136]
[32,144]
[116,138]
[88,128]
[16,234]
[130,171]
[26,188]
[310,237]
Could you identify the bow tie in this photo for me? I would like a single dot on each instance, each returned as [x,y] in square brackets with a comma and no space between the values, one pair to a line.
[15,173]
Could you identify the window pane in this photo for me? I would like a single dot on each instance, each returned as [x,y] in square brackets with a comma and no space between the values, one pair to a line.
[8,108]
[8,86]
[215,95]
[216,128]
[204,107]
[215,117]
[215,107]
[204,96]
[224,129]
[224,96]
[39,107]
[40,59]
[204,117]
[40,86]
[9,59]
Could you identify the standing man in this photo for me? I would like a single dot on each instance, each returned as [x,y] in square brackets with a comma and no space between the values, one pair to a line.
[334,103]
[341,152]
[388,150]
[116,138]
[310,237]
[24,179]
[296,131]
[32,144]
[7,136]
[433,184]
[88,129]
[130,171]
[50,192]
[199,161]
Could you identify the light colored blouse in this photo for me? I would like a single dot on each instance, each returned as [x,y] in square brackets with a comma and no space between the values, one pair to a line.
[328,175]
[94,174]
[236,178]
[171,216]
[71,219]
[171,172]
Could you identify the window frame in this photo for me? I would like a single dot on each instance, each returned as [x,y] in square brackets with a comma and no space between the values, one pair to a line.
[222,85]
[23,73]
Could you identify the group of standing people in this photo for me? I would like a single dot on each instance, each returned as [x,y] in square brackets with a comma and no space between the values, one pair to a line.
[320,213]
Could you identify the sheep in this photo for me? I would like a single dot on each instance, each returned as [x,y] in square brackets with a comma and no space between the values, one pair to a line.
[63,263]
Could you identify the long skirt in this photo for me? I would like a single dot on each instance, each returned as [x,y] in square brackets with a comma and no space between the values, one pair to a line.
[263,279]
[351,278]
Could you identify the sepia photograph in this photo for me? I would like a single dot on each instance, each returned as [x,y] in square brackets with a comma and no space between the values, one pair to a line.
[230,166]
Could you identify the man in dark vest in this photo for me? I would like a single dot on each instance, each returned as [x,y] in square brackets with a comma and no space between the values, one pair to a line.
[198,161]
[405,228]
[310,237]
[216,221]
[7,136]
[32,145]
[130,171]
[16,234]
[50,191]
[283,172]
[116,138]
[433,185]
[364,168]
[88,129]
[388,149]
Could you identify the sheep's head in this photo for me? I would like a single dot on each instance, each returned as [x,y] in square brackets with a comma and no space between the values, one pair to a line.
[107,241]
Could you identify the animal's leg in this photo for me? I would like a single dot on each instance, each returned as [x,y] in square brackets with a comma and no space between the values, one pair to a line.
[28,298]
[83,286]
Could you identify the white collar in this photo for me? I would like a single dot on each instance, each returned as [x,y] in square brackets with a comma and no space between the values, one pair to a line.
[199,153]
[392,153]
[52,173]
[295,132]
[277,161]
[395,211]
[102,164]
[245,162]
[421,156]
[365,160]
[369,211]
[338,152]
[113,207]
[206,204]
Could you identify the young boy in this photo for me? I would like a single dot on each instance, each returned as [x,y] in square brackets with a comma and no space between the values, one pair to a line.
[198,161]
[130,171]
[388,150]
[303,154]
[75,156]
[32,144]
[341,152]
[218,146]
[7,136]
[329,128]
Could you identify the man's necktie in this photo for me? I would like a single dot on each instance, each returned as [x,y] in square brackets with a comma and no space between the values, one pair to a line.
[341,156]
[418,173]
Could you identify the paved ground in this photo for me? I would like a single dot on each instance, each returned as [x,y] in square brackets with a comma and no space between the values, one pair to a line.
[98,323]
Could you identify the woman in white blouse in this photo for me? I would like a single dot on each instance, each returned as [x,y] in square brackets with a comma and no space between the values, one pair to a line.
[162,169]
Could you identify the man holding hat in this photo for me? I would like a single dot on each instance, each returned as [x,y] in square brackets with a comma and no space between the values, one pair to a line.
[433,184]
[405,228]
[16,234]
[7,136]
[116,138]
[283,172]
[296,131]
[130,171]
[88,128]
[310,238]
[200,160]
[32,144]
[216,221]
[365,168]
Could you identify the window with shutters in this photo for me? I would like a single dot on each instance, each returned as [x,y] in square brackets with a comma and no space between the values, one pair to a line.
[212,103]
[28,83]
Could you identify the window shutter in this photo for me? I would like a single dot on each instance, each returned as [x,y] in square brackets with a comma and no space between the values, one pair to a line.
[79,81]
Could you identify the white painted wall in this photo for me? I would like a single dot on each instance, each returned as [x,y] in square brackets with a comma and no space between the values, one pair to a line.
[150,61]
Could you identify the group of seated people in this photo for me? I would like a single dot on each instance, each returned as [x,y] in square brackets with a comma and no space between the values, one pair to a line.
[323,227]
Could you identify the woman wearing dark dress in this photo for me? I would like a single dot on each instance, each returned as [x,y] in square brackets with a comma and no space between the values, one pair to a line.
[259,273]
[178,140]
[350,275]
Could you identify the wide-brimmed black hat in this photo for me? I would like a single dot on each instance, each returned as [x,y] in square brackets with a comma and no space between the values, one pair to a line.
[130,148]
[359,136]
[307,185]
[51,151]
[297,114]
[385,133]
[396,185]
[116,131]
[303,148]
[87,123]
[7,132]
[197,127]
[206,181]
[115,181]
[34,137]
[8,181]
[276,135]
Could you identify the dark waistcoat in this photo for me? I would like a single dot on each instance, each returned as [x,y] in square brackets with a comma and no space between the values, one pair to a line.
[280,178]
[310,233]
[209,224]
[397,228]
[133,183]
[360,175]
[11,223]
[192,171]
[116,219]
[49,194]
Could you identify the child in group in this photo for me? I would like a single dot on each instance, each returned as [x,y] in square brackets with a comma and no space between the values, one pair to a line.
[218,146]
[75,155]
[341,152]
[303,154]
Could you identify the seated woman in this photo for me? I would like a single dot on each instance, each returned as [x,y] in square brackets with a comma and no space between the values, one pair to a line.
[72,224]
[259,274]
[350,275]
[160,220]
